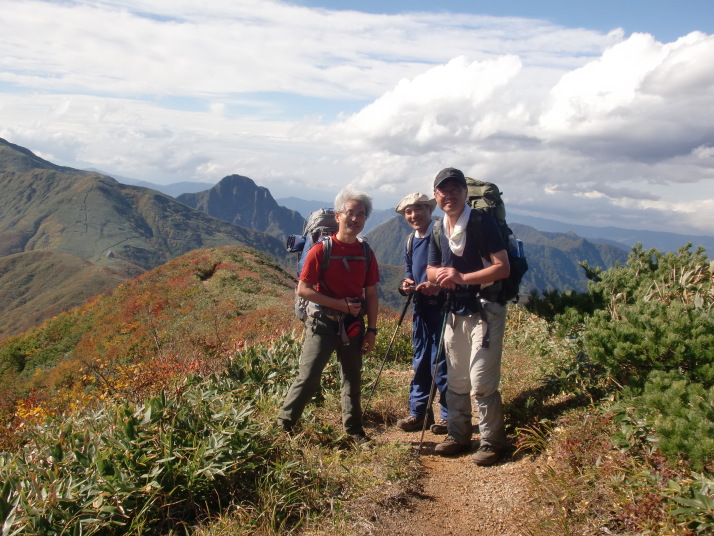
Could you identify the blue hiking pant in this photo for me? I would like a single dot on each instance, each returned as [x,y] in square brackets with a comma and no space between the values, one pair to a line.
[426,331]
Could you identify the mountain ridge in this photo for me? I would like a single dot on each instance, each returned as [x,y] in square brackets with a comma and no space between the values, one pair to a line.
[619,236]
[123,228]
[129,229]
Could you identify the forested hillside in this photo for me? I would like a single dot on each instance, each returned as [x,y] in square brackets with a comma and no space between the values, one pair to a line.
[88,218]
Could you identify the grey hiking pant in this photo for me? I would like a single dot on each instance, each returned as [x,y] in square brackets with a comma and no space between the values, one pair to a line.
[474,345]
[322,338]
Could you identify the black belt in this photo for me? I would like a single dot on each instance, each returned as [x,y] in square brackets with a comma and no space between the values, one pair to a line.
[430,301]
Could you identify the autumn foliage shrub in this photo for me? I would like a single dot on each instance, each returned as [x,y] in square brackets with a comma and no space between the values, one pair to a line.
[188,315]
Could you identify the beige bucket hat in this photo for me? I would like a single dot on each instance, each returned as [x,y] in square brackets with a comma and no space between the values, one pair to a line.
[416,198]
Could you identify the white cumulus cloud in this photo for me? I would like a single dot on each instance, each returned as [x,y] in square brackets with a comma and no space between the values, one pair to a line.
[573,124]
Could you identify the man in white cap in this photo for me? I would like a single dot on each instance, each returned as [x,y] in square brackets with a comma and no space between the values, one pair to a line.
[427,318]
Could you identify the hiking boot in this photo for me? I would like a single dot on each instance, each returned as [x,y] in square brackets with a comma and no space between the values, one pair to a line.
[413,424]
[439,427]
[449,447]
[285,425]
[360,438]
[487,455]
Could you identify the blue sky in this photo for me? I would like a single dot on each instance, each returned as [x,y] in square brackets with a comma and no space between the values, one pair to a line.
[665,19]
[597,113]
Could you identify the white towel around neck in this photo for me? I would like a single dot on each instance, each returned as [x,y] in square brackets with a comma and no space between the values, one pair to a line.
[457,236]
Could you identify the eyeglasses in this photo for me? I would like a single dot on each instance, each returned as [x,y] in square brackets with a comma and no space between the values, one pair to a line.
[353,214]
[454,191]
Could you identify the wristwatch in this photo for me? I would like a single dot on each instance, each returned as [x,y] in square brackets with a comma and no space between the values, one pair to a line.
[372,330]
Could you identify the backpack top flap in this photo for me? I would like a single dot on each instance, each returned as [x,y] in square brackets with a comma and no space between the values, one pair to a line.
[320,222]
[486,195]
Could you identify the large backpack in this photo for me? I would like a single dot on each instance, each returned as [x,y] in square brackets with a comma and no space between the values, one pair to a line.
[319,227]
[485,197]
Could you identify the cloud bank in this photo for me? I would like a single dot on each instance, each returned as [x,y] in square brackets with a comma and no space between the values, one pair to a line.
[576,125]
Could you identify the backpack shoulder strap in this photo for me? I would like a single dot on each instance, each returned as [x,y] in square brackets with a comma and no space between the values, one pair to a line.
[436,233]
[327,250]
[367,254]
[476,225]
[326,254]
[410,245]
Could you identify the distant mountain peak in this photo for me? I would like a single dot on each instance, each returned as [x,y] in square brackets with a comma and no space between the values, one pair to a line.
[236,179]
[238,199]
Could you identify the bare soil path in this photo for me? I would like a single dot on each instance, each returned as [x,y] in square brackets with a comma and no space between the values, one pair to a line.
[457,497]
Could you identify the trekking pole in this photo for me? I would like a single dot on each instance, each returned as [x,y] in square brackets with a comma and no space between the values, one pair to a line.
[439,351]
[389,348]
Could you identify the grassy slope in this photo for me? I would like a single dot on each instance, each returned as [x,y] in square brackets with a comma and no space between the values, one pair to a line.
[40,284]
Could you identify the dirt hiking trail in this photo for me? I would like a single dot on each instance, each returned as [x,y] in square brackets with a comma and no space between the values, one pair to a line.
[457,497]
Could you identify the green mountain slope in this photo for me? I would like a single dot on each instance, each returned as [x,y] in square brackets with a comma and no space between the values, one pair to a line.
[38,285]
[96,218]
[554,258]
[128,229]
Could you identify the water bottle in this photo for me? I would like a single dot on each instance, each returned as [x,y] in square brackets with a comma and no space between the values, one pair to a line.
[515,246]
[512,246]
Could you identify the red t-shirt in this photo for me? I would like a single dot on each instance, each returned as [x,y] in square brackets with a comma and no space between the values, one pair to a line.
[340,282]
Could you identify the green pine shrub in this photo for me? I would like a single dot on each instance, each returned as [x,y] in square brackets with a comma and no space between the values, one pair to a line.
[653,335]
[645,333]
[674,415]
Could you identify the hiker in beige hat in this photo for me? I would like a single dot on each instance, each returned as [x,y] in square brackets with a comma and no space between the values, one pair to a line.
[417,210]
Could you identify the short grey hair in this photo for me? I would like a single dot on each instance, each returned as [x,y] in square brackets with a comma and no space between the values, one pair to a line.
[350,194]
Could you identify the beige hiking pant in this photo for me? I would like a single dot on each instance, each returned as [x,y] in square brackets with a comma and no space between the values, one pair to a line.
[474,345]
